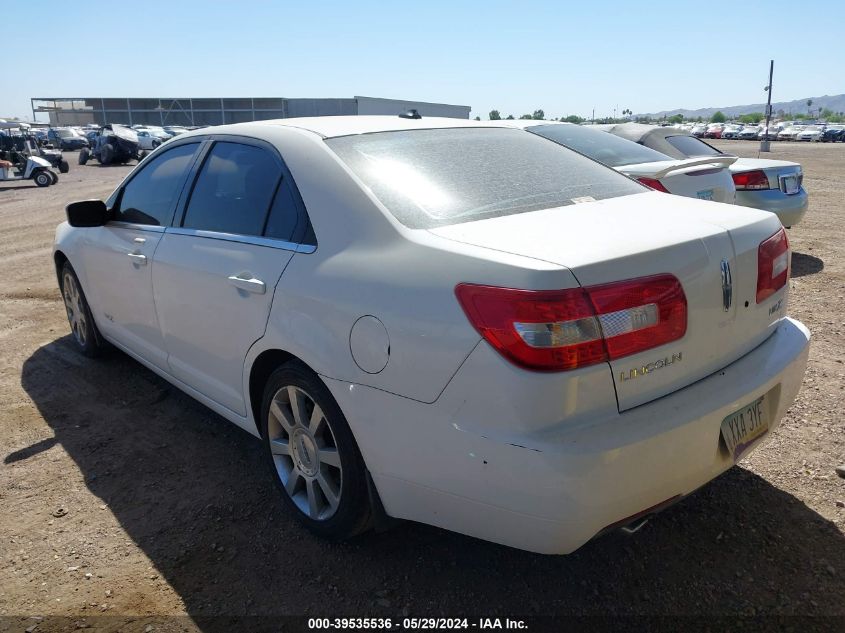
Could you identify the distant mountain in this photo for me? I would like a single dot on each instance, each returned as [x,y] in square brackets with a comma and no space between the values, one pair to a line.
[835,103]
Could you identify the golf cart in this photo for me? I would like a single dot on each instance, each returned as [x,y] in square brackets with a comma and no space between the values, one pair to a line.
[113,145]
[17,163]
[19,142]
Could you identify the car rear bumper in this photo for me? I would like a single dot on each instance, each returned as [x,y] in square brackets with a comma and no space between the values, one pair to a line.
[556,486]
[789,209]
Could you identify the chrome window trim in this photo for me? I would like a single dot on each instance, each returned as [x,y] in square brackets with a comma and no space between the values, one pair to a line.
[119,224]
[244,239]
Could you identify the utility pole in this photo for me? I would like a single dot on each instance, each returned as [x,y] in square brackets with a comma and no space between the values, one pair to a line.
[764,144]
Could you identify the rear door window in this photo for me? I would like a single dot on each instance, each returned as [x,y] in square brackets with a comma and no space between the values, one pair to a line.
[284,215]
[234,189]
[151,194]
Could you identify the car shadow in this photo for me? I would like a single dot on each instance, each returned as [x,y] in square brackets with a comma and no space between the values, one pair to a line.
[803,264]
[132,163]
[193,492]
[14,187]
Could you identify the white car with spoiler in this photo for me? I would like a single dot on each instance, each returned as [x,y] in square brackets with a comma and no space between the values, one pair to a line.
[704,178]
[452,322]
[761,183]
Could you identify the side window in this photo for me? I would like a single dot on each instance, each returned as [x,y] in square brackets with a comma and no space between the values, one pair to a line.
[233,191]
[284,214]
[149,197]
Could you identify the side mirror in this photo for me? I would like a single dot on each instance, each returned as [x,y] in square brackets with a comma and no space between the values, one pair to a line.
[87,213]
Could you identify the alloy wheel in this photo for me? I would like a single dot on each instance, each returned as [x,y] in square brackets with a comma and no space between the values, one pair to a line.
[75,309]
[305,453]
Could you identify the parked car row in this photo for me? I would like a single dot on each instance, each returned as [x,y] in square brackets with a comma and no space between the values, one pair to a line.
[75,138]
[114,143]
[483,328]
[782,131]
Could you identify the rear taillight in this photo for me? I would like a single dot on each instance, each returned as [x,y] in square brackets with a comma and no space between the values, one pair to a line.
[557,330]
[653,183]
[751,180]
[772,265]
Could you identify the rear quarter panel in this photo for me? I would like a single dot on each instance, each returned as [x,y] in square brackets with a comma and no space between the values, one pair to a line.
[366,263]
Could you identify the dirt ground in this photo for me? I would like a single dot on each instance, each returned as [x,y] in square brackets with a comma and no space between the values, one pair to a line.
[123,497]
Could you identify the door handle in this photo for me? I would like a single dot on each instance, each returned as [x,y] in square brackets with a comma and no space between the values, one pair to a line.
[139,259]
[250,284]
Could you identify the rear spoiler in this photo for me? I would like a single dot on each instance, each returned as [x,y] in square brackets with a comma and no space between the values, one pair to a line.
[658,169]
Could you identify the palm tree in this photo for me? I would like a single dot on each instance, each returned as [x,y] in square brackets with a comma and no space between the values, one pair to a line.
[809,103]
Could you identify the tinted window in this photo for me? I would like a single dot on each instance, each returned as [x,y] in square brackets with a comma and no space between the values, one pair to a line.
[284,214]
[691,146]
[601,146]
[429,178]
[150,195]
[234,190]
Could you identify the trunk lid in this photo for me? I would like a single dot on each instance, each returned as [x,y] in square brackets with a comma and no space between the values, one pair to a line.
[640,235]
[706,178]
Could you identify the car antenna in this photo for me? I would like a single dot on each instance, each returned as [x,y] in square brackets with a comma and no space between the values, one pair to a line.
[410,114]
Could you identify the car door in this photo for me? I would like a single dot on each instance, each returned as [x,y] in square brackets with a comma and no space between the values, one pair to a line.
[215,274]
[117,257]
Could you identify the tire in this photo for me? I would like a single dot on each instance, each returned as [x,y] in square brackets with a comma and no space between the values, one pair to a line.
[142,154]
[84,155]
[84,331]
[106,154]
[320,464]
[156,144]
[54,176]
[43,178]
[64,166]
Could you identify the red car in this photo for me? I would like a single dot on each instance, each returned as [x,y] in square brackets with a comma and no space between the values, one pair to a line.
[714,130]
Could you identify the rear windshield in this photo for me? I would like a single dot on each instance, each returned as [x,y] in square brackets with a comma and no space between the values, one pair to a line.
[430,178]
[598,145]
[691,146]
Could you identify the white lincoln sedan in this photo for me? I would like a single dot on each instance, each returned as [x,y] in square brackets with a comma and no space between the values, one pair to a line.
[445,321]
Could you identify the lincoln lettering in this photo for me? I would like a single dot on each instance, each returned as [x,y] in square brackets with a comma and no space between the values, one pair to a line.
[653,366]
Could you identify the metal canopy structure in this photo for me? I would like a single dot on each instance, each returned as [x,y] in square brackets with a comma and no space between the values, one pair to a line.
[219,111]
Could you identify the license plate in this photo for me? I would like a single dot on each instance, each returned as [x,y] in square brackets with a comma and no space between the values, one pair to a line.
[744,427]
[707,194]
[789,184]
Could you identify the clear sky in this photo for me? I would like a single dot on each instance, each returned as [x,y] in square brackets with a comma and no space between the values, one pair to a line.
[566,58]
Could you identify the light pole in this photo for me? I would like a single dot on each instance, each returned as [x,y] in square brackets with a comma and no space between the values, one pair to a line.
[764,144]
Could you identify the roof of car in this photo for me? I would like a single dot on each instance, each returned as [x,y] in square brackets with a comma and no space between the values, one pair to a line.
[652,136]
[638,131]
[330,126]
[524,123]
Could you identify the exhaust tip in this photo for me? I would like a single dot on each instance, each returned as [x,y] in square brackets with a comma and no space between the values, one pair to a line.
[635,522]
[635,526]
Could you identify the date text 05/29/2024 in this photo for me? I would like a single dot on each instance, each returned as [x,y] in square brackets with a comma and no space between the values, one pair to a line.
[413,624]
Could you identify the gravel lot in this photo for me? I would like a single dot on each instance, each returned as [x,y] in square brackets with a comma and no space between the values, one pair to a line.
[121,496]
